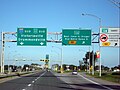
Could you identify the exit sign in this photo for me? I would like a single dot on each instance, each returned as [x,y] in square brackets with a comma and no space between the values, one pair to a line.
[76,37]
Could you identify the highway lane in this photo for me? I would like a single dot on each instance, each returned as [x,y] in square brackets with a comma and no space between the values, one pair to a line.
[48,81]
[39,81]
[19,83]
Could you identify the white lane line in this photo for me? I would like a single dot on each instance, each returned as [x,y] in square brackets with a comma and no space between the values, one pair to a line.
[37,78]
[88,79]
[40,76]
[95,82]
[29,85]
[33,81]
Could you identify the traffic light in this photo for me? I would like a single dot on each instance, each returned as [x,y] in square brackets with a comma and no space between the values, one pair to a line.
[42,60]
[97,54]
[46,60]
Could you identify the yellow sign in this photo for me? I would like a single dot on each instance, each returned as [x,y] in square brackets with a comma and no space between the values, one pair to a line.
[106,44]
[72,42]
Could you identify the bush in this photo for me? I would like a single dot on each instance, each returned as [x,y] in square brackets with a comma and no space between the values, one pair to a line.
[104,74]
[116,73]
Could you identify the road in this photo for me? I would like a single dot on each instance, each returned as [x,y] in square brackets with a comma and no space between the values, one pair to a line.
[54,81]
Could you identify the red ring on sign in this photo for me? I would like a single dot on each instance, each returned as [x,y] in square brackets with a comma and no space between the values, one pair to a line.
[103,37]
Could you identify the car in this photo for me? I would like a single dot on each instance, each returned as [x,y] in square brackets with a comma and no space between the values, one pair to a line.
[74,72]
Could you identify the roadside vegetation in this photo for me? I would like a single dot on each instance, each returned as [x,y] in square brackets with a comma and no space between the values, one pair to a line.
[109,76]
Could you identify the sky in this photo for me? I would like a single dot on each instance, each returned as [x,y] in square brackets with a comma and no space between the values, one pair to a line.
[56,15]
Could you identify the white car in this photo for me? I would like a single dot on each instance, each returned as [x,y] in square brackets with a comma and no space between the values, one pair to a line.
[74,72]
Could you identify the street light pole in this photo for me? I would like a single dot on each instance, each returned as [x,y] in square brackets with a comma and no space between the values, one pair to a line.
[87,67]
[8,60]
[89,60]
[61,58]
[99,19]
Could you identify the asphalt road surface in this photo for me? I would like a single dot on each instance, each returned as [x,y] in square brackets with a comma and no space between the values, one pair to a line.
[53,81]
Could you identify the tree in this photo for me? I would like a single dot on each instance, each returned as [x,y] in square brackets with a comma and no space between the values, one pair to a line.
[34,64]
[90,58]
[25,66]
[72,67]
[80,64]
[64,66]
[106,68]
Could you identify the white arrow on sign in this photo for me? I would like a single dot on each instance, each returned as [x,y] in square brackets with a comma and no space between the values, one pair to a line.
[41,43]
[83,42]
[21,43]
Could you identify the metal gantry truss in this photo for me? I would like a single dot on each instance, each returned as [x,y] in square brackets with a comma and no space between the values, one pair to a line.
[55,37]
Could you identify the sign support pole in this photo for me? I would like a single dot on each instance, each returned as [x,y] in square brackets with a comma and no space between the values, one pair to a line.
[2,53]
[100,62]
[61,60]
[100,24]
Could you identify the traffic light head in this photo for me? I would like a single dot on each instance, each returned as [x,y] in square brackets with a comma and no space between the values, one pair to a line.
[41,60]
[46,60]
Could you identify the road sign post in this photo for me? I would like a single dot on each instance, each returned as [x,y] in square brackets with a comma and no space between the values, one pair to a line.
[76,37]
[31,36]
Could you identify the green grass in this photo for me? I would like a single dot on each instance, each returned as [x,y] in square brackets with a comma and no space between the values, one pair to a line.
[16,74]
[108,76]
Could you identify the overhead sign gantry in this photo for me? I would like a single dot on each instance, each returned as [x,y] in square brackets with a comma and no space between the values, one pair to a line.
[38,37]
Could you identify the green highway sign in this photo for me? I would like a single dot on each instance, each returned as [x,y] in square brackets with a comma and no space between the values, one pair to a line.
[76,37]
[31,36]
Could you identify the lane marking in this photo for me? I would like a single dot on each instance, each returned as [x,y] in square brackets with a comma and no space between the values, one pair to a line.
[88,79]
[29,85]
[33,81]
[95,82]
[40,76]
[37,78]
